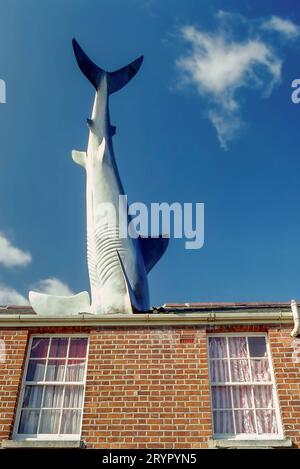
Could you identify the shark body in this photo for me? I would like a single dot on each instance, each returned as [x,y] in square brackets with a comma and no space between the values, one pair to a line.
[117,265]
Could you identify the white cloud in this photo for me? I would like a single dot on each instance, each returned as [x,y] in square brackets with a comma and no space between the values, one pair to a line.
[226,124]
[11,256]
[218,67]
[10,296]
[283,26]
[53,286]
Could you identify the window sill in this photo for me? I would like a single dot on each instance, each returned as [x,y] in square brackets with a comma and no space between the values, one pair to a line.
[256,444]
[14,444]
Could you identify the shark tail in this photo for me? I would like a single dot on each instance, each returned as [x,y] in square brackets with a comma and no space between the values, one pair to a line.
[115,80]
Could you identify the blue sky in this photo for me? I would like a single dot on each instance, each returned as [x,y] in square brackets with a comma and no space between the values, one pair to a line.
[208,118]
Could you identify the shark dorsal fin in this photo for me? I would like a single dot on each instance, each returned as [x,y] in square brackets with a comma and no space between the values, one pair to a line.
[79,157]
[153,249]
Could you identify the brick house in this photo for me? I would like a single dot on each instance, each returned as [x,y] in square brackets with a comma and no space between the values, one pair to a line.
[183,376]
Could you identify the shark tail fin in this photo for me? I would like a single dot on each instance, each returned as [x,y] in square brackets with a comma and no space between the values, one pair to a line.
[119,78]
[87,66]
[115,80]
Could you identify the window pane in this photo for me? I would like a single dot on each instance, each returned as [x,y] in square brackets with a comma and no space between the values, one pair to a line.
[244,421]
[53,396]
[39,348]
[263,396]
[240,370]
[260,370]
[29,421]
[59,347]
[75,370]
[221,397]
[242,397]
[73,396]
[70,422]
[217,347]
[257,346]
[223,422]
[237,347]
[33,396]
[36,370]
[219,371]
[49,421]
[266,421]
[55,370]
[78,347]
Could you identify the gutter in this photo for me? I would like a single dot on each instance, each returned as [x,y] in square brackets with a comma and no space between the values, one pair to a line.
[296,316]
[151,320]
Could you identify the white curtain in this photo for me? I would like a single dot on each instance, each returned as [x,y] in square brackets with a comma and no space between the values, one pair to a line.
[53,397]
[217,347]
[49,421]
[55,370]
[70,422]
[73,397]
[241,408]
[75,370]
[29,422]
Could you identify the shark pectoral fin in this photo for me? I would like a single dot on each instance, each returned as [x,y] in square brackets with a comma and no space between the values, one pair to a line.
[90,124]
[153,249]
[113,129]
[79,157]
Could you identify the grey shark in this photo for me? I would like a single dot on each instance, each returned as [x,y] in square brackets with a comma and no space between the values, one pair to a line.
[117,265]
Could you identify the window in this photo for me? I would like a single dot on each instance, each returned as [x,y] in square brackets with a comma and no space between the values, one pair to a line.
[244,401]
[51,400]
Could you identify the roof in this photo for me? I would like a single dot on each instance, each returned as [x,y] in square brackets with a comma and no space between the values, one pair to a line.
[220,306]
[177,307]
[169,314]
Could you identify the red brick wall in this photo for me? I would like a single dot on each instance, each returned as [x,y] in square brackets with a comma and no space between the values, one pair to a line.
[10,377]
[148,387]
[287,376]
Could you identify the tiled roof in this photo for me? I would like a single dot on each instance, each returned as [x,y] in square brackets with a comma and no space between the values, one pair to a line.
[13,309]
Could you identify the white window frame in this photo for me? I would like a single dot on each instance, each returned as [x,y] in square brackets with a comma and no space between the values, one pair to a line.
[248,436]
[47,436]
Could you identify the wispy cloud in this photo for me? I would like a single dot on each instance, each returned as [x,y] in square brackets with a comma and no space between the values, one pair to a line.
[218,66]
[11,256]
[53,286]
[281,25]
[10,296]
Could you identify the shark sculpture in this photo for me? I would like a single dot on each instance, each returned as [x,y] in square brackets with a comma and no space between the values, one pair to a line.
[117,265]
